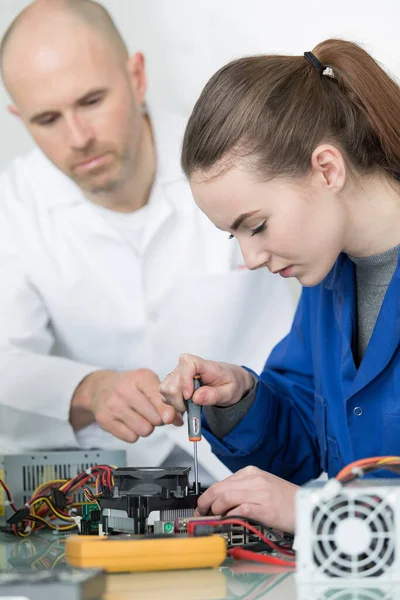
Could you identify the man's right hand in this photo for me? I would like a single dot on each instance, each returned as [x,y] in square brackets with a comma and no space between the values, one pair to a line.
[223,384]
[127,404]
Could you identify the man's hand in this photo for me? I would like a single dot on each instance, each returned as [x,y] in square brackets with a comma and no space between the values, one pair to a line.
[222,384]
[252,493]
[127,404]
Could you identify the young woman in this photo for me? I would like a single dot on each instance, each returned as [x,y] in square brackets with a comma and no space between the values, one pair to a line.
[298,158]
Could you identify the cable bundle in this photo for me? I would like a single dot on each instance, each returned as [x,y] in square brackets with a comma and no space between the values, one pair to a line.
[54,501]
[365,466]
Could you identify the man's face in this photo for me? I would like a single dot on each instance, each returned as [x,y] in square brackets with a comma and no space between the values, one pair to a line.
[80,103]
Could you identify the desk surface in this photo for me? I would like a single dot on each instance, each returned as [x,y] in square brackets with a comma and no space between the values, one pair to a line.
[233,580]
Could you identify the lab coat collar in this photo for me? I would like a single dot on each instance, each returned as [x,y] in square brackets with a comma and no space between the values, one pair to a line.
[169,183]
[385,338]
[161,208]
[331,281]
[56,189]
[170,195]
[334,277]
[386,333]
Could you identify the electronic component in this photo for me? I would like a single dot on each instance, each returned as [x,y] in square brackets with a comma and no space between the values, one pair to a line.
[145,553]
[165,527]
[23,473]
[349,531]
[235,535]
[65,584]
[91,518]
[138,492]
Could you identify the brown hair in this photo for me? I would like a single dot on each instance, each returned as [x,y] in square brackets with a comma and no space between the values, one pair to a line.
[274,110]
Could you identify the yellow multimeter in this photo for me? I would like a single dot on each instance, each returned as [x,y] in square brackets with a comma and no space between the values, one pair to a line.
[145,553]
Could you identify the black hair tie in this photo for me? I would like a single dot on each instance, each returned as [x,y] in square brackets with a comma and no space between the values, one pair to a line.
[317,64]
[313,60]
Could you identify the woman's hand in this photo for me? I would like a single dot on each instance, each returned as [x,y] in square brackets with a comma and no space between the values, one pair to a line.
[255,494]
[222,384]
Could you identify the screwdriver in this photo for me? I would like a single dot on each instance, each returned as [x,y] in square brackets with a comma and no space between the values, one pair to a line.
[194,428]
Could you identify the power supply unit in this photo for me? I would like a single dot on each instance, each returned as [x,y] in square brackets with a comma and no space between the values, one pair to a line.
[349,532]
[24,472]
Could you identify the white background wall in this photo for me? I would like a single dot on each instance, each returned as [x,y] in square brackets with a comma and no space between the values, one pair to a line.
[186,41]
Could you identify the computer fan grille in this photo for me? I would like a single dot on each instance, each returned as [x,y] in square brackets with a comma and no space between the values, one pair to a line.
[353,537]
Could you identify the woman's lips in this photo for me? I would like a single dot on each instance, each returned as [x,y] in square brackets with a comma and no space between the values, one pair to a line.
[287,271]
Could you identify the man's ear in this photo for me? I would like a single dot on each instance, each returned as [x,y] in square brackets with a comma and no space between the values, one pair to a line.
[13,110]
[137,72]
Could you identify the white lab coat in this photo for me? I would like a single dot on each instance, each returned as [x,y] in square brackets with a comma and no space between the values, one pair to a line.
[74,297]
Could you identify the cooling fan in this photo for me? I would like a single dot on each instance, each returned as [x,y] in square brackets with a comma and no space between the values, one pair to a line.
[353,534]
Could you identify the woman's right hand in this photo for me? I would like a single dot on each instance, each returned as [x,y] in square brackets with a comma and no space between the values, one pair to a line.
[222,384]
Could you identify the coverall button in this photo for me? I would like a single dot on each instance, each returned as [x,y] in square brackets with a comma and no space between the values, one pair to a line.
[358,411]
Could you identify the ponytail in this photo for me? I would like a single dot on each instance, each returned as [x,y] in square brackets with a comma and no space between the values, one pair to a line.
[274,110]
[371,90]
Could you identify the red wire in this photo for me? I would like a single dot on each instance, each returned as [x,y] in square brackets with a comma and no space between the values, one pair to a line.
[4,486]
[241,554]
[218,523]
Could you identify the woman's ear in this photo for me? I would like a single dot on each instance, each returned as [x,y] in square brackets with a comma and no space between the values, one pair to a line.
[328,161]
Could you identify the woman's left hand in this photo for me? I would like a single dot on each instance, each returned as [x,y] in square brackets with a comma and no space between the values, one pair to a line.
[255,494]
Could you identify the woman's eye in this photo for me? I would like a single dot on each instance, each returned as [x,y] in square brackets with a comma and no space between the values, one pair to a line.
[91,101]
[259,229]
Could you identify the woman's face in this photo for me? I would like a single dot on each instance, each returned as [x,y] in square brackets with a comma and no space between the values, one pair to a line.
[294,227]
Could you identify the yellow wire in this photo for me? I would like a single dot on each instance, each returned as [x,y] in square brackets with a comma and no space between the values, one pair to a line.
[58,559]
[55,527]
[47,551]
[47,484]
[367,463]
[52,508]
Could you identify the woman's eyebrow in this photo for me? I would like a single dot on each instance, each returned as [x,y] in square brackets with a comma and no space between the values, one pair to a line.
[236,224]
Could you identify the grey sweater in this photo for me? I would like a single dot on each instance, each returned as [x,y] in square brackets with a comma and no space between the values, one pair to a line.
[373,275]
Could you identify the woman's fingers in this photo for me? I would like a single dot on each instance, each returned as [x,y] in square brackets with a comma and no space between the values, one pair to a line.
[255,494]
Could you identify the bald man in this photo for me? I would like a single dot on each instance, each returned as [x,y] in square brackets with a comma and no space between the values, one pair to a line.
[108,271]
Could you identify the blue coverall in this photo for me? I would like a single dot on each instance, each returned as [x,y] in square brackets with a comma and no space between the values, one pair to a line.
[314,410]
